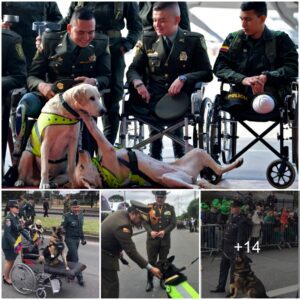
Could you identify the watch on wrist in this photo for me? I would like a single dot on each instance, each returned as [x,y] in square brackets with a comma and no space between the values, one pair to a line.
[182,78]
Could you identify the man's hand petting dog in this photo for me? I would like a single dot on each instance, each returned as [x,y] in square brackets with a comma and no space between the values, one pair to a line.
[156,272]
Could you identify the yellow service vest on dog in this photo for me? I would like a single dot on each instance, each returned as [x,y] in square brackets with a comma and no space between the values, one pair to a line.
[45,120]
[182,290]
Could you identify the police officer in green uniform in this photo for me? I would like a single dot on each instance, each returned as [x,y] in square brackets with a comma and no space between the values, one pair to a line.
[13,76]
[173,59]
[162,220]
[145,14]
[110,20]
[116,235]
[256,59]
[28,13]
[236,232]
[12,228]
[77,54]
[73,225]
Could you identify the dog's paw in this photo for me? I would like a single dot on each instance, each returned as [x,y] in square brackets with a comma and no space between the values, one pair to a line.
[19,183]
[44,186]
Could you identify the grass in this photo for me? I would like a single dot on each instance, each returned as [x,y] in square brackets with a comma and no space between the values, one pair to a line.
[89,226]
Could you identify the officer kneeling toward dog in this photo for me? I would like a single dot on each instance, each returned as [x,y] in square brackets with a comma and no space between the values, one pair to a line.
[116,235]
[162,220]
[73,225]
[236,231]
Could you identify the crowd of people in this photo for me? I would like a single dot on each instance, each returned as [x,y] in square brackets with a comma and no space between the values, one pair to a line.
[190,223]
[267,222]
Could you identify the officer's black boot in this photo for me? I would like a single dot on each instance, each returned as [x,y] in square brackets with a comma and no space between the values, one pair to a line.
[149,286]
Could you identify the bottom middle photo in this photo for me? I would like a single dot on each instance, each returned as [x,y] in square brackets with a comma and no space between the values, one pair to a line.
[150,244]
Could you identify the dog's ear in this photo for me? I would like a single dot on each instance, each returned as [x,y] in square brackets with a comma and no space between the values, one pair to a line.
[171,258]
[78,93]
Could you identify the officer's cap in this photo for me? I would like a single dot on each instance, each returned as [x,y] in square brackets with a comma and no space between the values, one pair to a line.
[172,107]
[160,193]
[237,203]
[142,208]
[75,203]
[13,203]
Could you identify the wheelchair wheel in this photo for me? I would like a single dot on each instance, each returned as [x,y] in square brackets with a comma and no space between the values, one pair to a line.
[281,174]
[41,293]
[23,279]
[203,125]
[295,137]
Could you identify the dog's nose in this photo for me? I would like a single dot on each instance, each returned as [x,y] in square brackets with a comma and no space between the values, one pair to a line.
[102,111]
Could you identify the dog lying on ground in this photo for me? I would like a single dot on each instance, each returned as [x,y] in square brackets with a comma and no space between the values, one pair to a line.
[176,283]
[50,154]
[182,173]
[56,247]
[245,280]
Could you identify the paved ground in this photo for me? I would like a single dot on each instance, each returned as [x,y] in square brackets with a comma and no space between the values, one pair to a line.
[89,255]
[185,247]
[278,270]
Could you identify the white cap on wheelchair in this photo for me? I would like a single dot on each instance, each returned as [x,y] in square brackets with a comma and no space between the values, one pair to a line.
[263,104]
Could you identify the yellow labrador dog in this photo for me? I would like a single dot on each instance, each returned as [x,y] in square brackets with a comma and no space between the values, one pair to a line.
[182,173]
[51,150]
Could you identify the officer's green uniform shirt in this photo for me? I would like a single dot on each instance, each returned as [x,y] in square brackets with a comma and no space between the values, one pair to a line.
[13,62]
[188,57]
[61,59]
[73,225]
[11,230]
[116,235]
[28,13]
[251,58]
[161,218]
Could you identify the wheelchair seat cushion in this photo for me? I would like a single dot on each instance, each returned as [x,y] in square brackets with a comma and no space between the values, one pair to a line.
[60,270]
[172,107]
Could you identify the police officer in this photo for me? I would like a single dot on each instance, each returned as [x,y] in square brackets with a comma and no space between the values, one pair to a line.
[110,20]
[173,59]
[256,59]
[147,21]
[13,76]
[73,225]
[162,220]
[235,235]
[28,13]
[12,227]
[116,235]
[76,54]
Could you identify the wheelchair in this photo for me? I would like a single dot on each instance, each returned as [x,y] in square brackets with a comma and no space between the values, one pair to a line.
[34,276]
[132,132]
[220,133]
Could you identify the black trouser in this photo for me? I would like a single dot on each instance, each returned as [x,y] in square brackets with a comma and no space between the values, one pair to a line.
[111,118]
[157,248]
[225,265]
[46,213]
[109,283]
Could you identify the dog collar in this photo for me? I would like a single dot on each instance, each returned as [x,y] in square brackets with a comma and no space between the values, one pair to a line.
[171,278]
[67,106]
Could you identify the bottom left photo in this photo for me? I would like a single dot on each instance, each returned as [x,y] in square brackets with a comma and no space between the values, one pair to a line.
[50,244]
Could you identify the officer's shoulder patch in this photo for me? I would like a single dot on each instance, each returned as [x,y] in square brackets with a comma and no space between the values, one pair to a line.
[8,222]
[138,47]
[125,230]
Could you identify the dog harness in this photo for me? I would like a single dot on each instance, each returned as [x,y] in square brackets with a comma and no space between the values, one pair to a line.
[181,290]
[112,181]
[45,120]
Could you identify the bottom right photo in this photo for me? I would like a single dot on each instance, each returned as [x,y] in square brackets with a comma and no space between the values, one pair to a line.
[249,244]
